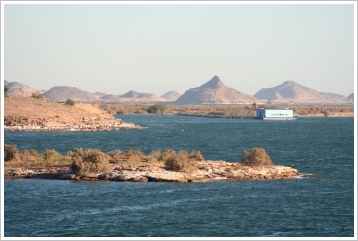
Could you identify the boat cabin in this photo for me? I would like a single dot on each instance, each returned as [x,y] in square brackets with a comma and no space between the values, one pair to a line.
[272,114]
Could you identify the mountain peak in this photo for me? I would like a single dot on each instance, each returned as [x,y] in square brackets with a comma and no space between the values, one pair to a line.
[289,83]
[131,94]
[214,92]
[214,83]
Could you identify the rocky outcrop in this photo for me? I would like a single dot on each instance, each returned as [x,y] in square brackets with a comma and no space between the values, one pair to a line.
[205,171]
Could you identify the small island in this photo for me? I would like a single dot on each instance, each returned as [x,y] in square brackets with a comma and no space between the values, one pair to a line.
[134,166]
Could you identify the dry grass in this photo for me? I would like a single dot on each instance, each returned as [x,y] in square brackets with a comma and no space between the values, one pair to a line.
[92,160]
[257,157]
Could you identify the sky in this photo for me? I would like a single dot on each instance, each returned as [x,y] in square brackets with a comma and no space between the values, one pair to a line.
[156,48]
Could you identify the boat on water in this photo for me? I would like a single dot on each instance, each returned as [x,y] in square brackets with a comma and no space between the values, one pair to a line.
[274,114]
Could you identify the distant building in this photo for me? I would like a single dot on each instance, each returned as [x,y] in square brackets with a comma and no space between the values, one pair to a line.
[274,114]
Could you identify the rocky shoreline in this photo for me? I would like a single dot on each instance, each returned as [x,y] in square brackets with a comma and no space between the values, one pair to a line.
[45,124]
[206,171]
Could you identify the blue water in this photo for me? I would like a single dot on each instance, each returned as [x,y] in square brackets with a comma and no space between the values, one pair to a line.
[319,205]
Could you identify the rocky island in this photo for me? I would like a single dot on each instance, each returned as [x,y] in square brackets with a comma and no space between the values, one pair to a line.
[134,166]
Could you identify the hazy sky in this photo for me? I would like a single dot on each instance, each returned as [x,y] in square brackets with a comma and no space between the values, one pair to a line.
[156,48]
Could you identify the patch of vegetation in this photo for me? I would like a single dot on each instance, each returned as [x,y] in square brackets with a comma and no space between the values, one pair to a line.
[216,113]
[10,152]
[14,157]
[157,109]
[6,91]
[179,162]
[83,161]
[37,95]
[257,157]
[70,102]
[86,161]
[50,156]
[30,156]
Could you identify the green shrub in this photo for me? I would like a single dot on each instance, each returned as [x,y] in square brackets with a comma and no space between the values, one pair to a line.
[69,102]
[157,109]
[6,91]
[51,156]
[167,154]
[134,153]
[257,157]
[86,161]
[10,152]
[37,95]
[29,156]
[155,155]
[115,156]
[178,163]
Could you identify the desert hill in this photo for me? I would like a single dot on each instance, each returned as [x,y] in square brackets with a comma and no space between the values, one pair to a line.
[171,96]
[214,92]
[62,93]
[290,90]
[350,97]
[141,97]
[111,98]
[16,88]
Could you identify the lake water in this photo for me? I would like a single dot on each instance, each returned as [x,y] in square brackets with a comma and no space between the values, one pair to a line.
[319,205]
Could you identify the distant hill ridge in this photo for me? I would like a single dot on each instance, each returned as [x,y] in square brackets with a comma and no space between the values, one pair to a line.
[214,91]
[62,93]
[290,90]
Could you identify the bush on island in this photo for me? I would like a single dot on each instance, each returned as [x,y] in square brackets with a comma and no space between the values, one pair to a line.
[257,157]
[177,163]
[10,152]
[51,156]
[87,161]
